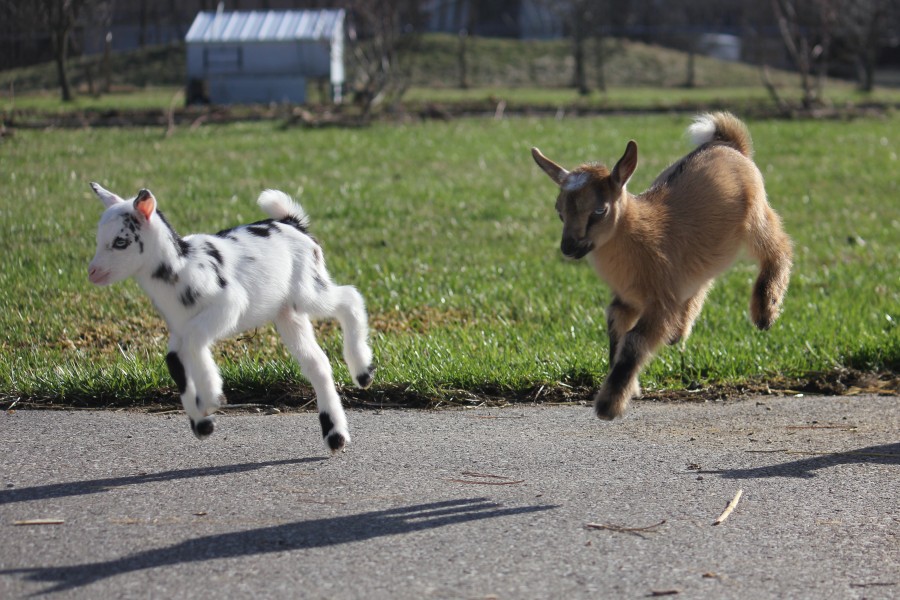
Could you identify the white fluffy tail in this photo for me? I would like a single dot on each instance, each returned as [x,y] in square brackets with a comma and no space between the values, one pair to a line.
[279,205]
[702,130]
[721,127]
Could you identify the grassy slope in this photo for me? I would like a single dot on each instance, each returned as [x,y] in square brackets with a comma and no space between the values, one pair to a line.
[524,72]
[448,230]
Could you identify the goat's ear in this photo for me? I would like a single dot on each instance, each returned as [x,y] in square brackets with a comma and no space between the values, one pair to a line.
[106,197]
[624,169]
[145,203]
[556,172]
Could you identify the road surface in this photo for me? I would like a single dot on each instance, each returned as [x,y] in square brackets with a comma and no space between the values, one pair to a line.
[518,502]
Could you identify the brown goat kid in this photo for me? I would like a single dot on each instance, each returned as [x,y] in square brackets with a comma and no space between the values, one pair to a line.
[661,250]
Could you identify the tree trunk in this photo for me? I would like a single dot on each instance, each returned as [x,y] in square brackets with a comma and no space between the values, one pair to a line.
[691,77]
[600,53]
[461,60]
[868,74]
[580,82]
[60,55]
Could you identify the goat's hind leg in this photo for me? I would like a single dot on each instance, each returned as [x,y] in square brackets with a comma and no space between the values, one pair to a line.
[689,313]
[771,246]
[347,305]
[297,332]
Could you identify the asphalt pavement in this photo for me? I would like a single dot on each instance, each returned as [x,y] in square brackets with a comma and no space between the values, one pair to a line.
[517,502]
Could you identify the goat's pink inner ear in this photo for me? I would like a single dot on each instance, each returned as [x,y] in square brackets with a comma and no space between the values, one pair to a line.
[145,203]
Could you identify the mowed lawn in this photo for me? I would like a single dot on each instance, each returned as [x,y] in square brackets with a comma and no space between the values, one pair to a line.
[448,230]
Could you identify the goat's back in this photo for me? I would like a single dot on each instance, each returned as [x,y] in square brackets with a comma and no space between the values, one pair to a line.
[694,216]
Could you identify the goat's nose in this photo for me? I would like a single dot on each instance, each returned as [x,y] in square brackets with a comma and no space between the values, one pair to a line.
[569,246]
[573,248]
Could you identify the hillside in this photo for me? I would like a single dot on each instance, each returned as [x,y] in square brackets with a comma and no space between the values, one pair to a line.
[433,63]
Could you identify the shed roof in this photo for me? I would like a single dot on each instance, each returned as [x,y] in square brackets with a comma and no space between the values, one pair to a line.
[265,26]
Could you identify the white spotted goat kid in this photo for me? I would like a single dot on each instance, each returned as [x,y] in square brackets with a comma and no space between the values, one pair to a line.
[209,287]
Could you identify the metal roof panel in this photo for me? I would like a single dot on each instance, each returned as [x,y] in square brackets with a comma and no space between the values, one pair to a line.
[264,26]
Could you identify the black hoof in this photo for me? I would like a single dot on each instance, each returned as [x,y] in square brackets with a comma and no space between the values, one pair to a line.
[336,442]
[203,429]
[364,380]
[604,412]
[764,324]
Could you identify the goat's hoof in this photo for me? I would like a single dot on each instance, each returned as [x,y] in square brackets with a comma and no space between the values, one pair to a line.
[335,442]
[606,408]
[764,323]
[605,412]
[203,428]
[364,380]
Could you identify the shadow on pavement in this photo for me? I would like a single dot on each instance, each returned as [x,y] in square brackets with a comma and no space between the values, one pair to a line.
[280,538]
[95,486]
[887,454]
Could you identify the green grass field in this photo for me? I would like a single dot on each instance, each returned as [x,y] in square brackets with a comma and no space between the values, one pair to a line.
[448,229]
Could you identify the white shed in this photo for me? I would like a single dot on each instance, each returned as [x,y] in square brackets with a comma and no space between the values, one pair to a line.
[264,56]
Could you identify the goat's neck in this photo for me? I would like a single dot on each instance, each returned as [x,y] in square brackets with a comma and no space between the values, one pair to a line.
[164,267]
[637,230]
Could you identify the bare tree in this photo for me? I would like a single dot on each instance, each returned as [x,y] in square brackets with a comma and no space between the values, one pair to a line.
[469,8]
[862,28]
[586,22]
[807,28]
[59,18]
[54,18]
[382,34]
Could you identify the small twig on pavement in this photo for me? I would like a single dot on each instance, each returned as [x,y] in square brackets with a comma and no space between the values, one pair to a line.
[729,508]
[484,475]
[40,522]
[622,529]
[843,427]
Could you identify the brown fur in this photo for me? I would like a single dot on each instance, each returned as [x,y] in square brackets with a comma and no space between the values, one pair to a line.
[660,251]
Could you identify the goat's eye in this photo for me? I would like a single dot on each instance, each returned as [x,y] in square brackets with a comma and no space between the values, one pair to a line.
[120,243]
[601,211]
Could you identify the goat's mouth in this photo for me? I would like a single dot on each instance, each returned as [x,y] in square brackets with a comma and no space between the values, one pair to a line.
[575,249]
[98,277]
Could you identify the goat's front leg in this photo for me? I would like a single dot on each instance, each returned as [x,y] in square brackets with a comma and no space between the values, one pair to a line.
[203,393]
[187,389]
[199,385]
[297,332]
[208,395]
[635,349]
[619,319]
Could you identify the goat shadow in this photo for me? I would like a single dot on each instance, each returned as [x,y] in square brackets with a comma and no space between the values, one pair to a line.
[299,535]
[96,486]
[887,454]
